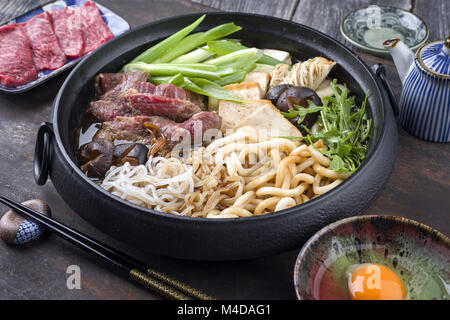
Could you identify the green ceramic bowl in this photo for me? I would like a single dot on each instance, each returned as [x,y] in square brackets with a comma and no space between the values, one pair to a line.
[369,27]
[418,254]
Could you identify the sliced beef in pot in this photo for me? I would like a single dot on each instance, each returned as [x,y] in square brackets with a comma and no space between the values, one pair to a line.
[144,87]
[195,127]
[104,82]
[118,86]
[129,94]
[127,129]
[107,110]
[152,105]
[171,91]
[133,128]
[112,88]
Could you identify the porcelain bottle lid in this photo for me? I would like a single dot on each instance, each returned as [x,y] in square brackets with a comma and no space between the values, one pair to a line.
[434,57]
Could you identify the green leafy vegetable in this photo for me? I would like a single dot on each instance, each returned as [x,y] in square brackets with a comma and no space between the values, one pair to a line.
[184,60]
[264,68]
[176,80]
[210,89]
[225,71]
[234,56]
[235,77]
[160,48]
[300,112]
[168,69]
[245,63]
[343,127]
[223,47]
[197,39]
[195,56]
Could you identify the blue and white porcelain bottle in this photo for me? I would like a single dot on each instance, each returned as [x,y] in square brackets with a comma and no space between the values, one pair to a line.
[425,100]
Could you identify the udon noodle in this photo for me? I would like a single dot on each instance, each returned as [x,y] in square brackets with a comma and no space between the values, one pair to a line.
[240,175]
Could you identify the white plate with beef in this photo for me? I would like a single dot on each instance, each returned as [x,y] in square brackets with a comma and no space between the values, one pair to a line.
[52,39]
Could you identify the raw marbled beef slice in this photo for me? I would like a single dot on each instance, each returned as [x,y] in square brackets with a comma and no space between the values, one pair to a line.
[67,26]
[47,54]
[16,62]
[95,30]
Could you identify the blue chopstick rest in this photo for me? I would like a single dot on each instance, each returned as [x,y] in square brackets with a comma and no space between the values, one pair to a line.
[14,229]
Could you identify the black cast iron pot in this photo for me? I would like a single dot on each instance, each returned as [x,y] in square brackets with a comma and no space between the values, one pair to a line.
[214,239]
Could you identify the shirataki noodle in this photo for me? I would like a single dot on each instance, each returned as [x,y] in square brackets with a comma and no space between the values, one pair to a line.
[240,175]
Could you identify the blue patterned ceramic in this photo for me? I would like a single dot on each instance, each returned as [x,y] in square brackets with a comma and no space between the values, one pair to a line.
[28,231]
[369,27]
[15,229]
[116,24]
[425,100]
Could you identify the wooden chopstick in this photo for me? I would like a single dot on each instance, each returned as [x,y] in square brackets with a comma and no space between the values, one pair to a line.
[158,282]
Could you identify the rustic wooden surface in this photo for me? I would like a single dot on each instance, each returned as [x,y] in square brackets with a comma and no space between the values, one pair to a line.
[11,9]
[418,188]
[281,8]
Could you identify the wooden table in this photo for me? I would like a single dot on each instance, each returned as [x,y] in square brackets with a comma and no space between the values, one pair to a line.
[419,187]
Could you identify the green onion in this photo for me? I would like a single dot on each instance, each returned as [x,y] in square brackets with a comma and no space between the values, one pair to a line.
[242,67]
[269,60]
[173,69]
[263,68]
[236,77]
[169,43]
[223,47]
[225,71]
[234,56]
[210,89]
[176,80]
[198,55]
[245,63]
[197,39]
[199,66]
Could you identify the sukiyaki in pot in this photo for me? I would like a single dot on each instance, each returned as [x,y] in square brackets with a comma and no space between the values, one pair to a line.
[232,155]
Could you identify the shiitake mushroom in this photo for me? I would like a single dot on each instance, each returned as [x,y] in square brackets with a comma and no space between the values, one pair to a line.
[274,93]
[134,153]
[299,96]
[96,157]
[296,95]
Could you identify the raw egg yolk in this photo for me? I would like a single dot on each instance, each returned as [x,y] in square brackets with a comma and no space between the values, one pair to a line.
[375,282]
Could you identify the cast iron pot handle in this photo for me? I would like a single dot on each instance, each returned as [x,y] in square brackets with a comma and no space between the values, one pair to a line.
[380,71]
[42,153]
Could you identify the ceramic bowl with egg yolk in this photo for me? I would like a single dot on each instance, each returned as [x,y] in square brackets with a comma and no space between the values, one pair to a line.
[374,257]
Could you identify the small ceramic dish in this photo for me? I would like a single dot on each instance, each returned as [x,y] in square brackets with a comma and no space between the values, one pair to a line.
[417,254]
[369,27]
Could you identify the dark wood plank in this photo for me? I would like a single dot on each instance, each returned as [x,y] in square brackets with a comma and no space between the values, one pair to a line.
[11,9]
[418,187]
[281,8]
[430,11]
[326,15]
[139,12]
